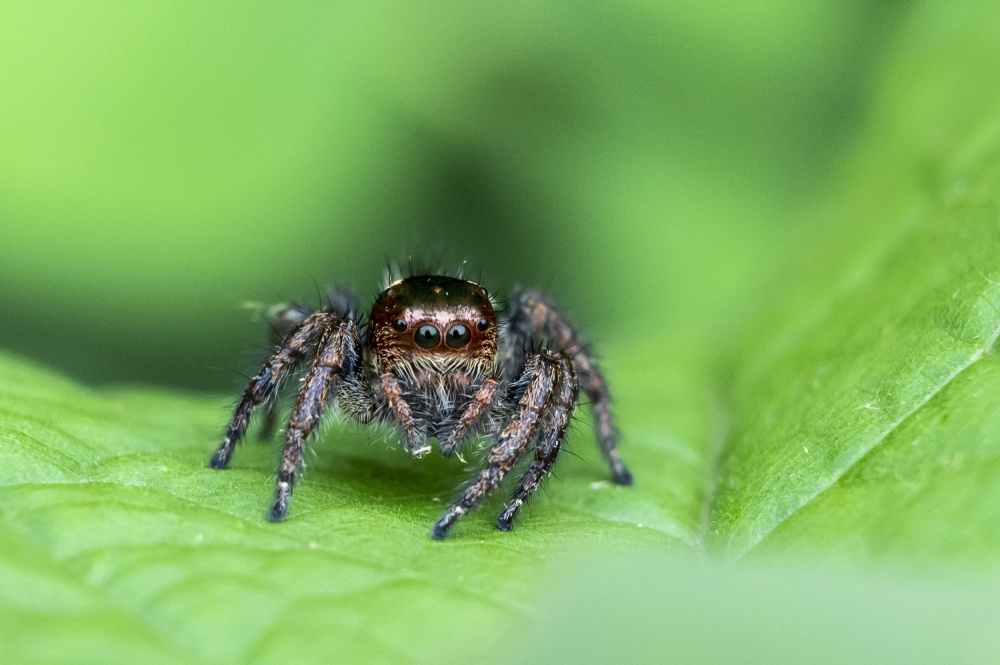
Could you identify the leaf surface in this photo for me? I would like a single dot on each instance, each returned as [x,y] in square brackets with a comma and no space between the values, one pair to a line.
[109,493]
[898,336]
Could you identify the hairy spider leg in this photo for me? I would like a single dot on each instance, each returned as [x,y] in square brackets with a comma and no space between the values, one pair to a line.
[533,318]
[511,443]
[263,386]
[283,319]
[335,355]
[596,388]
[470,416]
[553,429]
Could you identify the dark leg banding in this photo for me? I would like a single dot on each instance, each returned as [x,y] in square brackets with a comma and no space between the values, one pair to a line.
[534,318]
[262,387]
[512,442]
[553,429]
[332,354]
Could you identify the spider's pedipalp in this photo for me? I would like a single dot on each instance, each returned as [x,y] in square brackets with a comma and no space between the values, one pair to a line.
[481,401]
[413,435]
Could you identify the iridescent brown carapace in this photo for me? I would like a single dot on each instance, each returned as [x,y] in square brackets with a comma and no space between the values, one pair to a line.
[433,316]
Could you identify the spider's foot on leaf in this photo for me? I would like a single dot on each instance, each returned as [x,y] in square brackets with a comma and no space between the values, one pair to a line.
[505,522]
[279,509]
[445,522]
[219,460]
[620,474]
[622,477]
[278,512]
[440,531]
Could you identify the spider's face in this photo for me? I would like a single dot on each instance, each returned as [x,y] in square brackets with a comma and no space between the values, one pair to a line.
[434,318]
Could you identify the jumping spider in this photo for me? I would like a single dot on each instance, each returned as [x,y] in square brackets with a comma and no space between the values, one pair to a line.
[435,359]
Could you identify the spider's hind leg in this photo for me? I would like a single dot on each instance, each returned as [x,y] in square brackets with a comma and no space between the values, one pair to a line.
[263,386]
[533,317]
[335,355]
[283,319]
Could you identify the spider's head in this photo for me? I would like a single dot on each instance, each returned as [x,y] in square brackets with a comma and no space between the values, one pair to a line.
[434,320]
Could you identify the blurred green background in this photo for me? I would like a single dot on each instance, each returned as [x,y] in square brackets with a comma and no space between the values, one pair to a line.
[655,165]
[692,180]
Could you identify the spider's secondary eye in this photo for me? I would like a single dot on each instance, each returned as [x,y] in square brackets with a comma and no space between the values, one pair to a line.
[427,337]
[482,325]
[399,325]
[458,336]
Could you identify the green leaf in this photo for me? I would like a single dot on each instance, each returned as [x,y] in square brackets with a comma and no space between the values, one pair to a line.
[878,388]
[869,426]
[109,494]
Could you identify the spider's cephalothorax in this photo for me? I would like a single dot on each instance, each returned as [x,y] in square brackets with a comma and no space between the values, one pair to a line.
[435,360]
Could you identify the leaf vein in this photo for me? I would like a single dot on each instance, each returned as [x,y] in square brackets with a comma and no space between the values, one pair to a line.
[973,359]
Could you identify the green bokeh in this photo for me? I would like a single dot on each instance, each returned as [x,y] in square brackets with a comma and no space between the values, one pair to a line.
[165,163]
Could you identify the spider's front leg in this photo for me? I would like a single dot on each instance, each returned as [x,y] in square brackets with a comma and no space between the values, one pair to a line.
[540,371]
[263,386]
[553,429]
[283,319]
[336,354]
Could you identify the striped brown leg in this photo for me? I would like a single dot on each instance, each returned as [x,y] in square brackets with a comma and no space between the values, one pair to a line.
[283,320]
[596,388]
[553,428]
[335,352]
[512,442]
[263,386]
[534,317]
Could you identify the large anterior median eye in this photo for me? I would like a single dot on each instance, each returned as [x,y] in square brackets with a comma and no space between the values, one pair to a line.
[427,337]
[458,336]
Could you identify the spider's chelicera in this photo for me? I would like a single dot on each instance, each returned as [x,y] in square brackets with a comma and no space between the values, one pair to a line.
[435,359]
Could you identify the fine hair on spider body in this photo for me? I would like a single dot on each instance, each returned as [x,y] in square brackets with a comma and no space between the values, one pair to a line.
[435,360]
